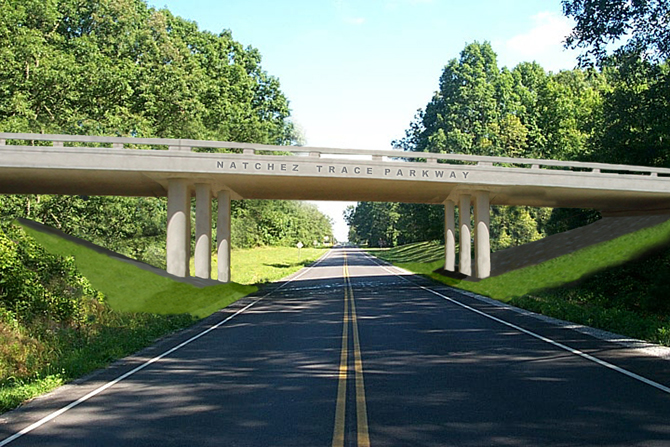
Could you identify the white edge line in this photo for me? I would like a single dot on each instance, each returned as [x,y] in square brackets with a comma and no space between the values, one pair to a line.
[102,388]
[582,354]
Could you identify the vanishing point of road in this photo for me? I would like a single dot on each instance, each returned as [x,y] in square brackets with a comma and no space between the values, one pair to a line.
[349,352]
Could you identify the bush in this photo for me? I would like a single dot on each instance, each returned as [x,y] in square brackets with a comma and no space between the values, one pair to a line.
[36,284]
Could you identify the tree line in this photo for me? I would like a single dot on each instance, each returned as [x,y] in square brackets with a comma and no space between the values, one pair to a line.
[613,108]
[122,68]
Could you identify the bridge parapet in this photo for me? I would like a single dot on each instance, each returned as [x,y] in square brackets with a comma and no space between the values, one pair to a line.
[390,156]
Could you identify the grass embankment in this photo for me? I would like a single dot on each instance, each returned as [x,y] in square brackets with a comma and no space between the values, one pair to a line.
[618,285]
[39,353]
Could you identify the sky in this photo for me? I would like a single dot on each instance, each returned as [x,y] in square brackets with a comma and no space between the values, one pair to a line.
[355,72]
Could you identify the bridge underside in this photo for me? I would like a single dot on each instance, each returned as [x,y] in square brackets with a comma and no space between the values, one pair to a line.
[130,183]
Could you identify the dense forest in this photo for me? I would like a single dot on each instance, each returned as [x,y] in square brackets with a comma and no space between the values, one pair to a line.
[612,109]
[121,68]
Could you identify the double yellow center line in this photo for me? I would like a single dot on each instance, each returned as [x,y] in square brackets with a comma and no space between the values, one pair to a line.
[341,408]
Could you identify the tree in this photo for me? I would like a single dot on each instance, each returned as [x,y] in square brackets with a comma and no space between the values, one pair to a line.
[481,109]
[634,128]
[373,223]
[599,23]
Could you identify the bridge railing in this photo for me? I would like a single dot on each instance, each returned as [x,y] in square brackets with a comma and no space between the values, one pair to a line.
[187,145]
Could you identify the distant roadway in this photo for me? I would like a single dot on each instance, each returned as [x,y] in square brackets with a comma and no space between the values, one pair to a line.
[349,352]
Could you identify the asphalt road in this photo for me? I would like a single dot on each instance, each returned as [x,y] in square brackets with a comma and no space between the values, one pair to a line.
[351,353]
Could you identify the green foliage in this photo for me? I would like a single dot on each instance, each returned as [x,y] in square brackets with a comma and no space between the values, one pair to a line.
[135,227]
[37,285]
[119,67]
[258,223]
[481,109]
[634,128]
[373,224]
[599,23]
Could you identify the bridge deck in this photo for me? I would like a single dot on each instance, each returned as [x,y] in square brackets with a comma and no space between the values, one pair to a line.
[306,173]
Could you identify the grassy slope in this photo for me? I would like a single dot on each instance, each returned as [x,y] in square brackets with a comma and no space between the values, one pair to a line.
[131,289]
[425,257]
[567,287]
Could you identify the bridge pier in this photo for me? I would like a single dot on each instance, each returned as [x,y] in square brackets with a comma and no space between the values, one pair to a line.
[482,237]
[449,237]
[178,242]
[223,237]
[203,230]
[465,259]
[481,233]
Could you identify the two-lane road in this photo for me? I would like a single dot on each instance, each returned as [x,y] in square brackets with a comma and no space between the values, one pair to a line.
[352,353]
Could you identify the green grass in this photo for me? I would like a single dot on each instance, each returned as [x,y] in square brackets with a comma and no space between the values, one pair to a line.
[131,289]
[618,285]
[265,264]
[425,257]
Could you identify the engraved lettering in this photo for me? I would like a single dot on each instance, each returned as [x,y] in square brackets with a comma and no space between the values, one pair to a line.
[245,164]
[369,171]
[387,171]
[399,173]
[233,165]
[331,169]
[439,174]
[344,170]
[412,173]
[465,174]
[424,173]
[258,166]
[271,166]
[317,167]
[357,170]
[219,164]
[283,166]
[452,175]
[295,168]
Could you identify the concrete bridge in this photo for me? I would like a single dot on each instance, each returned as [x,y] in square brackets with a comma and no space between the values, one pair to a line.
[181,169]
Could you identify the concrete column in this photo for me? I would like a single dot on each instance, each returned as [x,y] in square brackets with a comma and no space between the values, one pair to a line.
[482,238]
[178,227]
[203,231]
[465,261]
[449,237]
[223,236]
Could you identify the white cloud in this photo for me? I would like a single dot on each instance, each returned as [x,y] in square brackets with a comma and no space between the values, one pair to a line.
[355,20]
[542,43]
